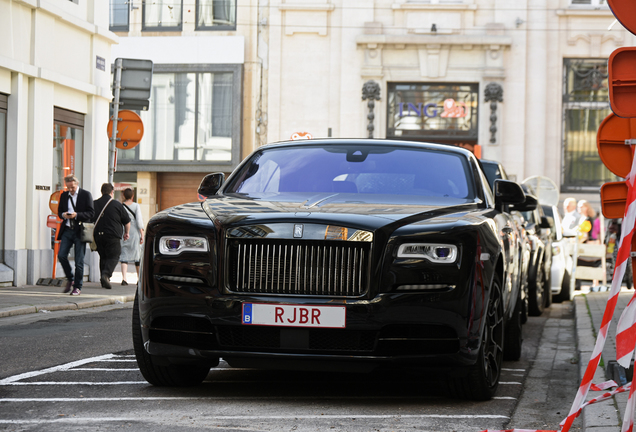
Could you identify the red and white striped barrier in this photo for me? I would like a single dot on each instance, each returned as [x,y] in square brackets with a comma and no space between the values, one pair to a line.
[624,250]
[625,332]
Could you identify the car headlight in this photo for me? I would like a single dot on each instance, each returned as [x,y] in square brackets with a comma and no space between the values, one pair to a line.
[174,245]
[439,253]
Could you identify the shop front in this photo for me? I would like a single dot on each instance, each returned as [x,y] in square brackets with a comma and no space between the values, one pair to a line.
[445,113]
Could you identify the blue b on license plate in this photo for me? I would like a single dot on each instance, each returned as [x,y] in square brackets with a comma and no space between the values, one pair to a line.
[294,315]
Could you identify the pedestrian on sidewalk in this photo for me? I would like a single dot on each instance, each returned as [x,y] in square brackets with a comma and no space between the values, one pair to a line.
[131,248]
[111,225]
[75,206]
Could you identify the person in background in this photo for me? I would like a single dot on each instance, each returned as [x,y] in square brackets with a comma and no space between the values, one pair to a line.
[589,214]
[571,218]
[113,224]
[76,205]
[131,248]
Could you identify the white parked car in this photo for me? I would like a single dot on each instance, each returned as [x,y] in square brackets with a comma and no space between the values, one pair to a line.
[563,266]
[562,262]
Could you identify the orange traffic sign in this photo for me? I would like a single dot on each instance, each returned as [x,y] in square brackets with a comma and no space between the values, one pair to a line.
[54,201]
[622,81]
[625,13]
[614,199]
[612,140]
[130,129]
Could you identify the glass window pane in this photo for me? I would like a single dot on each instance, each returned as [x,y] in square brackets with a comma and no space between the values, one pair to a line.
[67,154]
[585,105]
[214,137]
[169,123]
[216,13]
[162,13]
[118,13]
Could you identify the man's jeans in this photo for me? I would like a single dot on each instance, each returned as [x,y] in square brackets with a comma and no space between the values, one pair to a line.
[70,239]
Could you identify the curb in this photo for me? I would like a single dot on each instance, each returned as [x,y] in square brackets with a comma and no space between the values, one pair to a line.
[24,310]
[600,417]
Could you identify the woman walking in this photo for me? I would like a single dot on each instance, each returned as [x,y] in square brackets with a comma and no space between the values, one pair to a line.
[131,248]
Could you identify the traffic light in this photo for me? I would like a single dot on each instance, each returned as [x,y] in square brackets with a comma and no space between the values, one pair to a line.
[616,135]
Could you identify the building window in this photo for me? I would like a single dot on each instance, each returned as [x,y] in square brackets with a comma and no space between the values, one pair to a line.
[216,15]
[68,146]
[162,15]
[588,3]
[585,106]
[436,112]
[194,117]
[119,15]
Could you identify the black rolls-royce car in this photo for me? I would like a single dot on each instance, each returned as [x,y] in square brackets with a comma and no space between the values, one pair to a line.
[341,255]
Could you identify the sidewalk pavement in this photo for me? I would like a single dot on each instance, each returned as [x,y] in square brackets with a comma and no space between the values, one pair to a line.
[589,309]
[606,416]
[30,299]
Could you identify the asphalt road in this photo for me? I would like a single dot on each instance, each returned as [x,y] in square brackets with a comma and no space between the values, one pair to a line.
[76,371]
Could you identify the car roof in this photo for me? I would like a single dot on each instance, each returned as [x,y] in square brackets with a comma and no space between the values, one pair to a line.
[368,142]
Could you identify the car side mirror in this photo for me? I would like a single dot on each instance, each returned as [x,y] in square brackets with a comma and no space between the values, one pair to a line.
[529,204]
[508,192]
[211,184]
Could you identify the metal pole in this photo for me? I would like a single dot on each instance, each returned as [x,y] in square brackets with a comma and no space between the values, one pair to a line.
[113,139]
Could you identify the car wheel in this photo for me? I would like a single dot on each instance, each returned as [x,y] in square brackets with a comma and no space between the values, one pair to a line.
[483,377]
[566,293]
[536,288]
[162,375]
[512,344]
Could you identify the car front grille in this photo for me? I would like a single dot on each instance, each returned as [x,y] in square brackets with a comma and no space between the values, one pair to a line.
[314,268]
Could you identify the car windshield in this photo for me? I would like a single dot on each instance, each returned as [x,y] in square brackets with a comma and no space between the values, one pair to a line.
[368,173]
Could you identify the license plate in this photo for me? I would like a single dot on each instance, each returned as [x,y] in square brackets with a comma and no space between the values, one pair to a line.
[294,315]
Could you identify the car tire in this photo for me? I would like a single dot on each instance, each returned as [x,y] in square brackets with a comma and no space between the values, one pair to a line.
[159,375]
[483,377]
[547,287]
[514,339]
[536,291]
[566,293]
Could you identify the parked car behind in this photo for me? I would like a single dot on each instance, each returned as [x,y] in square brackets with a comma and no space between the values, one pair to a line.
[335,255]
[562,285]
[494,170]
[540,267]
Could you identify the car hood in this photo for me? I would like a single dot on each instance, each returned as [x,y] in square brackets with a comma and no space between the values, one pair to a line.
[333,209]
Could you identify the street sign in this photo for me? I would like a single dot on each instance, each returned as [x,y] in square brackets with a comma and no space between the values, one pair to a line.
[136,79]
[622,81]
[625,13]
[613,139]
[130,129]
[613,199]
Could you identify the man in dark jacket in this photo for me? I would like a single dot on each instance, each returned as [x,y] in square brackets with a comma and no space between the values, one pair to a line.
[110,228]
[75,206]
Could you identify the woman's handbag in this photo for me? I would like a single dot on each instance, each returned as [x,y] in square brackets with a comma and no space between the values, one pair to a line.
[87,229]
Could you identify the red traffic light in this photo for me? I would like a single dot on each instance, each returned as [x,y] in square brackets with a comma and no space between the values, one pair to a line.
[625,13]
[614,199]
[622,81]
[611,140]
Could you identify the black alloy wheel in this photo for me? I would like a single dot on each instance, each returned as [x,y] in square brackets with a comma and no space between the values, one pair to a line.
[169,375]
[483,377]
[536,291]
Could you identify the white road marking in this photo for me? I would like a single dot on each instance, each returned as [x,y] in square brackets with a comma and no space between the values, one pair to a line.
[273,417]
[73,383]
[513,370]
[504,397]
[511,383]
[63,367]
[104,369]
